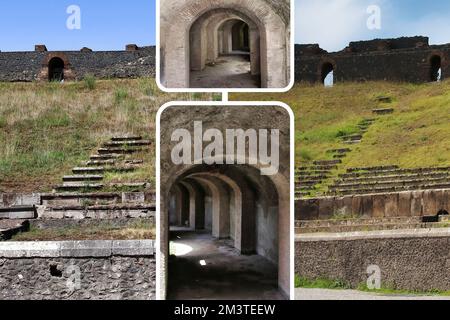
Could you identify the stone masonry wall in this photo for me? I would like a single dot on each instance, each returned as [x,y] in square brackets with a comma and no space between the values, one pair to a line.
[416,260]
[31,66]
[86,270]
[403,59]
[403,204]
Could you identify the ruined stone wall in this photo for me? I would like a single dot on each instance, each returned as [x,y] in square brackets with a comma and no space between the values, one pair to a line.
[108,270]
[409,260]
[402,204]
[32,66]
[403,59]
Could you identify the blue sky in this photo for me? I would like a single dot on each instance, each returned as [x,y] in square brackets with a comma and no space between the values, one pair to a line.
[109,25]
[334,23]
[105,24]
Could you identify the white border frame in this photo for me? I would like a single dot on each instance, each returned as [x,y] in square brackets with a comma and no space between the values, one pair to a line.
[223,90]
[292,179]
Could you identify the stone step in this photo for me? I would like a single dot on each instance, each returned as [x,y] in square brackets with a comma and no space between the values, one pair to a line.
[383,171]
[304,183]
[100,163]
[355,221]
[393,177]
[18,212]
[339,156]
[79,187]
[126,138]
[99,157]
[122,151]
[302,194]
[379,168]
[98,198]
[134,162]
[86,177]
[133,185]
[311,177]
[9,228]
[94,170]
[390,183]
[129,143]
[388,190]
[343,150]
[114,211]
[368,121]
[305,188]
[327,162]
[312,173]
[383,111]
[384,99]
[355,137]
[353,142]
[370,227]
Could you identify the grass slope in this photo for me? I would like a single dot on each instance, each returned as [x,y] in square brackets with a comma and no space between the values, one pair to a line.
[48,128]
[416,135]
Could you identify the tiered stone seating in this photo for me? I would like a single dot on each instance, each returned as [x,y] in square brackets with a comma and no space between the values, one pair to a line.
[366,224]
[390,179]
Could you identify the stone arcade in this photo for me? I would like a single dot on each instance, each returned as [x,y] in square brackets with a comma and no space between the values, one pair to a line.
[207,33]
[407,59]
[233,220]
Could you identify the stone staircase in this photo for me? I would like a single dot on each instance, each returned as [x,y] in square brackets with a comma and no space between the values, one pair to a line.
[367,224]
[117,156]
[308,179]
[87,194]
[389,179]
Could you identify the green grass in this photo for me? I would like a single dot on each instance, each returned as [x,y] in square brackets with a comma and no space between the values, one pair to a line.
[137,230]
[322,283]
[46,129]
[89,82]
[416,135]
[391,291]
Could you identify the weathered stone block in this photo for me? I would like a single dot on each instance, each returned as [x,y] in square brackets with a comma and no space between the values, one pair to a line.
[379,206]
[391,205]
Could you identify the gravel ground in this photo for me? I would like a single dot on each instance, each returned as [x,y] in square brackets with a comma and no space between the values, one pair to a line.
[324,294]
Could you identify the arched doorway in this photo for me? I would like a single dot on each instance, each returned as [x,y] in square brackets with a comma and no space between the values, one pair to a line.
[56,70]
[225,51]
[223,238]
[327,74]
[436,68]
[198,40]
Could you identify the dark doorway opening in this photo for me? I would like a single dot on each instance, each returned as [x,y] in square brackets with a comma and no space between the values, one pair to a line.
[435,69]
[240,37]
[56,70]
[327,74]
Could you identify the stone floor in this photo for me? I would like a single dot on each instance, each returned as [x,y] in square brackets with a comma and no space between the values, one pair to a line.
[230,71]
[202,268]
[350,295]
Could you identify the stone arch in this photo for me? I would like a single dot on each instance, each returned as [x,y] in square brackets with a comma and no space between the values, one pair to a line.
[56,69]
[259,204]
[175,43]
[325,68]
[435,62]
[59,62]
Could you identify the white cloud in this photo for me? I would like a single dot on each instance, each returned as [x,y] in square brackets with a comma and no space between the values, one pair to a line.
[331,23]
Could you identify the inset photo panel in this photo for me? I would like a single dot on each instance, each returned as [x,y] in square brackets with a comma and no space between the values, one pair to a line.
[225,206]
[233,45]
